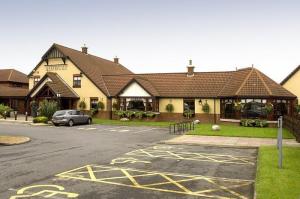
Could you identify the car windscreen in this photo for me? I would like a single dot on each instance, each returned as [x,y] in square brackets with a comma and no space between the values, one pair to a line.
[59,113]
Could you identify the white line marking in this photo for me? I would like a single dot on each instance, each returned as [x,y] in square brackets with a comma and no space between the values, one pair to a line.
[144,130]
[107,129]
[125,130]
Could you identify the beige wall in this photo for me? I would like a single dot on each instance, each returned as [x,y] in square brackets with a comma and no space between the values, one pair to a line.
[177,103]
[210,102]
[293,84]
[87,90]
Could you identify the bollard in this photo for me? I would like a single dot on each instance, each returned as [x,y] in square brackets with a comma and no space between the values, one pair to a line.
[26,116]
[5,115]
[16,115]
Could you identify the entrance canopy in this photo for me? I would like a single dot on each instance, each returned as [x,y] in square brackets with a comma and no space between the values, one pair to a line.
[51,85]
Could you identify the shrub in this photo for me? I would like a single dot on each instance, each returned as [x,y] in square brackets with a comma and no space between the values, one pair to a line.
[298,109]
[150,114]
[120,113]
[82,105]
[129,114]
[269,108]
[238,106]
[93,111]
[100,105]
[188,113]
[139,114]
[4,110]
[41,119]
[48,108]
[170,108]
[253,123]
[205,107]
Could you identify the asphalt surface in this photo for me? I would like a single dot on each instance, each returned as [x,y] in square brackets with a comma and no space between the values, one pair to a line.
[106,162]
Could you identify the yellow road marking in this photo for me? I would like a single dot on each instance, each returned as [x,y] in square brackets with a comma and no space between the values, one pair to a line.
[93,177]
[126,174]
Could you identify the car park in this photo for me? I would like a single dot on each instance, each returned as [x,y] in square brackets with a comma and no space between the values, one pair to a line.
[70,118]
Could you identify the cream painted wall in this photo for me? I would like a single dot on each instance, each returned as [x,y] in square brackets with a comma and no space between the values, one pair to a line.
[210,102]
[177,103]
[135,90]
[87,90]
[293,84]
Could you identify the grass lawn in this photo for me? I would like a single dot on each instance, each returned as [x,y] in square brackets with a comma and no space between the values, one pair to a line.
[239,131]
[272,182]
[131,123]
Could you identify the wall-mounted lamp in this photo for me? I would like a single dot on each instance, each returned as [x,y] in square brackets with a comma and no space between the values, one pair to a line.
[200,101]
[81,74]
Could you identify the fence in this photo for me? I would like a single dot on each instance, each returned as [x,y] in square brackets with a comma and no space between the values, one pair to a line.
[293,125]
[181,127]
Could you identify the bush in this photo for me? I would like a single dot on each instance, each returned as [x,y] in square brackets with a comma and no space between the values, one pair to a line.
[150,114]
[4,109]
[82,105]
[205,107]
[93,111]
[170,108]
[120,113]
[298,109]
[40,119]
[253,123]
[269,108]
[100,105]
[129,114]
[188,113]
[139,114]
[48,108]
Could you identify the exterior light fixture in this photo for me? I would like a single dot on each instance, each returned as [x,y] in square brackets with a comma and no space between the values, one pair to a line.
[200,101]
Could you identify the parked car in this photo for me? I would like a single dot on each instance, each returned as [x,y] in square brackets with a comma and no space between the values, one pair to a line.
[70,118]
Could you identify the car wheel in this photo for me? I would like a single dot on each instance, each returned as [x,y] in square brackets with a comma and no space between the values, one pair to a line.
[55,124]
[70,123]
[89,121]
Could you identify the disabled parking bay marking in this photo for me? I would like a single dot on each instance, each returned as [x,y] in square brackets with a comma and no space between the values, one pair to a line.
[195,185]
[45,191]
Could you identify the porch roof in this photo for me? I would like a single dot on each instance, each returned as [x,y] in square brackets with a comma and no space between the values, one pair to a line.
[56,84]
[8,91]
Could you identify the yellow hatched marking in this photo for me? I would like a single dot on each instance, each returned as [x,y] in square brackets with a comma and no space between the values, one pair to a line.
[176,183]
[193,156]
[90,170]
[130,178]
[167,176]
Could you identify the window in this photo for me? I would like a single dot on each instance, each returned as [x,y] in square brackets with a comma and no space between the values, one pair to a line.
[76,81]
[36,79]
[254,109]
[189,105]
[94,102]
[136,104]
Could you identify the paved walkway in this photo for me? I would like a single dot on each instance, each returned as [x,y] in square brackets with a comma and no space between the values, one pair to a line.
[20,119]
[229,141]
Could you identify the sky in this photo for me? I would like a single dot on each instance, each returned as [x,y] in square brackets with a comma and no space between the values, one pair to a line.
[156,35]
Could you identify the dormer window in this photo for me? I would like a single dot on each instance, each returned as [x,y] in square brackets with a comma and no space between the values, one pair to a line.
[77,81]
[36,79]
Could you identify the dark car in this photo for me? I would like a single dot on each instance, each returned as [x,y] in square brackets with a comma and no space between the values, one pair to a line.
[70,118]
[254,110]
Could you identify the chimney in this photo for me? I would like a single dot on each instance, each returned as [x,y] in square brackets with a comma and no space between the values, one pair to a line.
[116,60]
[190,69]
[84,49]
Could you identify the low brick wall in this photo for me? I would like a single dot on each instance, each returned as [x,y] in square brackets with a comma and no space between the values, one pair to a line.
[292,124]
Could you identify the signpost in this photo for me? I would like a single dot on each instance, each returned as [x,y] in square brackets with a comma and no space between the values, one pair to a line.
[279,142]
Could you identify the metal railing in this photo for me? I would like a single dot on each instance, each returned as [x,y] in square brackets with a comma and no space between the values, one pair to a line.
[181,127]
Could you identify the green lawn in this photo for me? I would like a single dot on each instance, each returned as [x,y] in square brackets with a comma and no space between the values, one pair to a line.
[131,123]
[272,182]
[239,131]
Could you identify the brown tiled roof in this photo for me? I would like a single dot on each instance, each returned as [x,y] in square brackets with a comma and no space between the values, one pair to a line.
[92,66]
[12,75]
[290,75]
[57,85]
[7,91]
[248,82]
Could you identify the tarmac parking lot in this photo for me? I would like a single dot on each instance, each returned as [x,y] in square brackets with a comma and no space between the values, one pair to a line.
[121,162]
